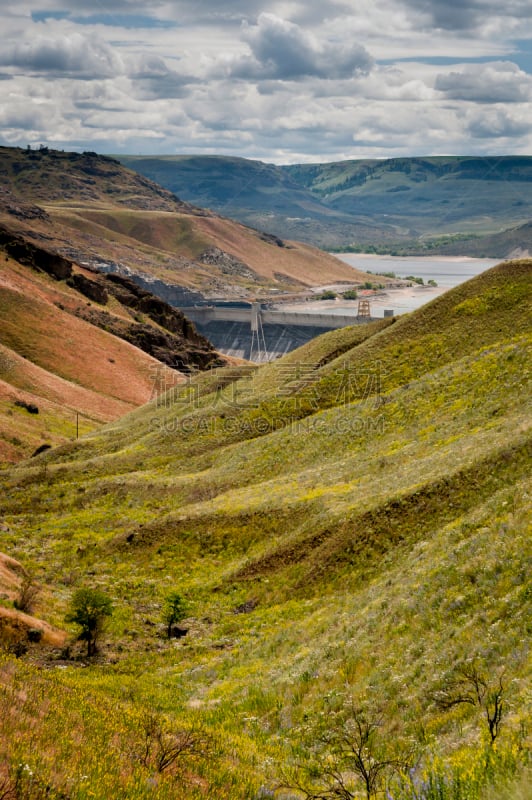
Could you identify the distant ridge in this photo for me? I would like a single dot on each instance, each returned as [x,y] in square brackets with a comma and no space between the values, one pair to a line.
[404,205]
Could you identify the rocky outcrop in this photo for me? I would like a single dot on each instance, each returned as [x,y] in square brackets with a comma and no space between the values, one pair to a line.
[228,264]
[271,239]
[160,330]
[172,294]
[31,255]
[186,352]
[94,290]
[19,209]
[133,296]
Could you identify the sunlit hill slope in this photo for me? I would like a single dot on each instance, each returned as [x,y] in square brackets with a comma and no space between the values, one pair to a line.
[348,526]
[79,349]
[94,210]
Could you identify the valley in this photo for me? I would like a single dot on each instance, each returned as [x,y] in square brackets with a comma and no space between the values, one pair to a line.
[75,228]
[238,580]
[349,528]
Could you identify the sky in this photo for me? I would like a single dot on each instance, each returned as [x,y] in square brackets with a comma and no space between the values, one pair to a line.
[288,81]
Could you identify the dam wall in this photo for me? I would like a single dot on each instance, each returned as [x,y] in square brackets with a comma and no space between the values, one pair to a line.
[257,334]
[236,339]
[248,330]
[203,315]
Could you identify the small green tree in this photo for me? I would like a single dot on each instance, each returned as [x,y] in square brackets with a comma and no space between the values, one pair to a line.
[174,610]
[27,594]
[350,294]
[89,609]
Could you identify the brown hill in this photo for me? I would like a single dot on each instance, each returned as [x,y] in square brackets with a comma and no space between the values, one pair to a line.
[98,212]
[78,349]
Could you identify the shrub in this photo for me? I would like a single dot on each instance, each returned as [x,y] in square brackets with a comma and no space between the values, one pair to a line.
[27,594]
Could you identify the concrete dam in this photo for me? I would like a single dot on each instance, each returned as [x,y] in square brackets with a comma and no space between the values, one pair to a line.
[257,333]
[245,329]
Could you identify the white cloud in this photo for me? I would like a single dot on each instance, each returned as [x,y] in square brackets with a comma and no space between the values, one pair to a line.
[287,81]
[282,50]
[503,123]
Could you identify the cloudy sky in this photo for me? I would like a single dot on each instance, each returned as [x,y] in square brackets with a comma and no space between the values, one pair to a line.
[285,81]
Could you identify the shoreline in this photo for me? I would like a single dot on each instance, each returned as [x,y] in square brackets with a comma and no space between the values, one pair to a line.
[400,301]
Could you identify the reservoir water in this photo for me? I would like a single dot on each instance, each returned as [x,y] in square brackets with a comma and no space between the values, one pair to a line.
[446,271]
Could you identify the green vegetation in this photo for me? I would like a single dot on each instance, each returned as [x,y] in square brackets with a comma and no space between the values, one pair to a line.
[349,525]
[89,609]
[400,206]
[174,611]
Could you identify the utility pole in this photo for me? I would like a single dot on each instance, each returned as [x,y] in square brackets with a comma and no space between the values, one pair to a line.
[259,351]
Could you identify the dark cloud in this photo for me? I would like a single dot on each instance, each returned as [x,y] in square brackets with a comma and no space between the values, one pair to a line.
[282,50]
[466,15]
[497,82]
[73,55]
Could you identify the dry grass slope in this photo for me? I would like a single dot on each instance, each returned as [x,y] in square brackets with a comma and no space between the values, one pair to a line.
[61,364]
[92,206]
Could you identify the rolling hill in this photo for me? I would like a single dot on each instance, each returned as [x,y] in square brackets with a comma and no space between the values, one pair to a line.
[348,527]
[402,205]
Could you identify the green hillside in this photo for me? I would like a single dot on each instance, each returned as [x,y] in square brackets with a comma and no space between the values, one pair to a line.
[348,529]
[389,204]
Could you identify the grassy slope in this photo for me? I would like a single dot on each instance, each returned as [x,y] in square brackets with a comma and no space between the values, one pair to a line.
[367,493]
